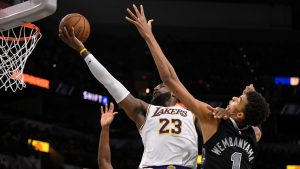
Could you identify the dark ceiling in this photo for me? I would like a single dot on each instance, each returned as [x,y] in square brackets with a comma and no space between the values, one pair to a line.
[210,49]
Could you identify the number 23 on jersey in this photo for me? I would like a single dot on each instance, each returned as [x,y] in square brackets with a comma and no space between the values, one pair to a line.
[170,126]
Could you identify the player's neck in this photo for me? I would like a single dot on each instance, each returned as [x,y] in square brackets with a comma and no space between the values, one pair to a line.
[168,103]
[238,122]
[164,99]
[171,102]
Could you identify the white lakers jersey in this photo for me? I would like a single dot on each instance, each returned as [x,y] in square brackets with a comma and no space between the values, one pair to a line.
[169,137]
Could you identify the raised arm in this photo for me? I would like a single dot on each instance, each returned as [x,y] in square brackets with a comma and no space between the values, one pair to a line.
[165,69]
[104,155]
[134,108]
[169,77]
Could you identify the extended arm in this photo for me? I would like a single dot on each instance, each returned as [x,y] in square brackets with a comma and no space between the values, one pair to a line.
[104,155]
[134,108]
[169,77]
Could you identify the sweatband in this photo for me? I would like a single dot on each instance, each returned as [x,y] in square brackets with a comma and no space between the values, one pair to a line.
[114,87]
[82,50]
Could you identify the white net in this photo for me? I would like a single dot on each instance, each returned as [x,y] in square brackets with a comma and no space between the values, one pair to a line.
[15,46]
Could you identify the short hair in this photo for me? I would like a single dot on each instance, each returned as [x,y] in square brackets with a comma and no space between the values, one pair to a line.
[257,109]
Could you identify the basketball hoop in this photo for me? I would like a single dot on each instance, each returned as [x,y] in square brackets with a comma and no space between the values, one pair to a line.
[16,45]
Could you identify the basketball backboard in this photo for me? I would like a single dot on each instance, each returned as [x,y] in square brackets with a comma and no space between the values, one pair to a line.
[14,13]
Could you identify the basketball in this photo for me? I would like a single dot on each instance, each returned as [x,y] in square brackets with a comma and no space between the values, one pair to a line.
[80,23]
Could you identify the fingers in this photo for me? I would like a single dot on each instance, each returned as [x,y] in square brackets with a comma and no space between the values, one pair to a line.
[131,21]
[210,108]
[60,33]
[150,22]
[137,12]
[131,14]
[66,33]
[138,17]
[216,112]
[72,34]
[225,117]
[101,109]
[106,108]
[252,87]
[142,10]
[111,107]
[249,88]
[220,113]
[115,113]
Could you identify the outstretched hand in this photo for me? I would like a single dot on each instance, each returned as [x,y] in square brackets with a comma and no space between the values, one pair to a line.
[249,88]
[138,19]
[69,38]
[218,113]
[108,115]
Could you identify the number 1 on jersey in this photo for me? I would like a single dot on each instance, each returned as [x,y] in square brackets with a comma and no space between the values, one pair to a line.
[236,160]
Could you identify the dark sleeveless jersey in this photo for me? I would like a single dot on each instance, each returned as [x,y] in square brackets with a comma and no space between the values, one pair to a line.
[229,148]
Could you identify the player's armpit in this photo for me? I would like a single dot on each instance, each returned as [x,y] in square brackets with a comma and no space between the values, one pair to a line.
[257,132]
[197,124]
[135,109]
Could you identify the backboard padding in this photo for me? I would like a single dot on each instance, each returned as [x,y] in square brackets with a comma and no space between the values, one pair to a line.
[26,12]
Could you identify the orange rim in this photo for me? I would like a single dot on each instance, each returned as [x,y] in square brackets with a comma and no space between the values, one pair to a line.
[26,25]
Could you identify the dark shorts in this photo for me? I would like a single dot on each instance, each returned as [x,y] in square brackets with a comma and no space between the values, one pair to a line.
[166,167]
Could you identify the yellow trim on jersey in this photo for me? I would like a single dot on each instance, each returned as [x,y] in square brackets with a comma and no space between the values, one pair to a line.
[147,112]
[199,159]
[171,167]
[175,135]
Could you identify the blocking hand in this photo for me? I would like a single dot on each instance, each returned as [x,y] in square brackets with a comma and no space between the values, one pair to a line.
[219,113]
[108,115]
[138,19]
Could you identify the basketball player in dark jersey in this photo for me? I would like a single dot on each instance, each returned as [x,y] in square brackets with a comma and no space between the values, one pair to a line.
[231,142]
[228,144]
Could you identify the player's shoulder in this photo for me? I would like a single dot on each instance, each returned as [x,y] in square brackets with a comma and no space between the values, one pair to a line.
[181,105]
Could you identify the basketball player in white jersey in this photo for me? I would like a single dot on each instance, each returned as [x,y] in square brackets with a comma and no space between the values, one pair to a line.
[104,153]
[167,129]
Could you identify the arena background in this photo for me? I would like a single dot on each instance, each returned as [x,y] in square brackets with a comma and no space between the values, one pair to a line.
[217,48]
